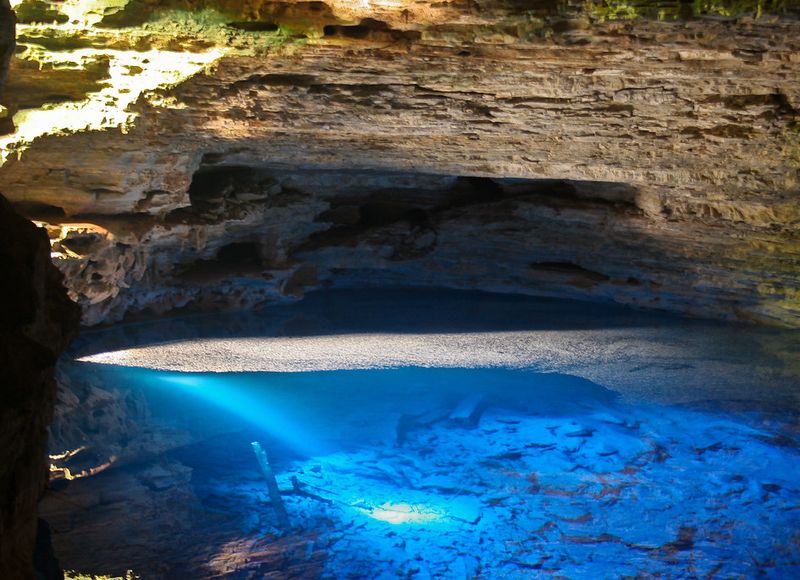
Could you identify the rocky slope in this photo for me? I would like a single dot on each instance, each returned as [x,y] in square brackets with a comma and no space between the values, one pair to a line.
[247,152]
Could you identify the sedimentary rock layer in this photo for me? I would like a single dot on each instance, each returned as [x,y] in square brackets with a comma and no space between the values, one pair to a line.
[482,145]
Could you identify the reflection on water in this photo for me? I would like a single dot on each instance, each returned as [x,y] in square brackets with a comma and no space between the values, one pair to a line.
[453,472]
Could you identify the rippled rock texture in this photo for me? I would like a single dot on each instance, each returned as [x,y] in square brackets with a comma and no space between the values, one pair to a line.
[249,152]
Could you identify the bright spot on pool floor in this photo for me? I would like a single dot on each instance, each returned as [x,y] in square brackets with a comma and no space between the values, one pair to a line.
[497,473]
[400,513]
[609,492]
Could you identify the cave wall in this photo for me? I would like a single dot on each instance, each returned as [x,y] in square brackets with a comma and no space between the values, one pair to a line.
[36,322]
[548,149]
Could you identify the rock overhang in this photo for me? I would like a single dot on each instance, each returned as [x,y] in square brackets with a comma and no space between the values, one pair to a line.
[692,122]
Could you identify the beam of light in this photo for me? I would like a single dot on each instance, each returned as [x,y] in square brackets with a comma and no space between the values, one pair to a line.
[257,408]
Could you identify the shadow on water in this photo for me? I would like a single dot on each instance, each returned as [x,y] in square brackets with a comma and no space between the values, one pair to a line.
[413,310]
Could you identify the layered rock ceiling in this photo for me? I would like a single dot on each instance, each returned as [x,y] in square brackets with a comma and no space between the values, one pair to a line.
[214,154]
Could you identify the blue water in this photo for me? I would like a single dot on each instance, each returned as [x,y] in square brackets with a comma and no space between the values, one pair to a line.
[418,472]
[319,412]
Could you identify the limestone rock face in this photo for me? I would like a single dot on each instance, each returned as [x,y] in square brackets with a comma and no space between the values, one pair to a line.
[36,322]
[545,149]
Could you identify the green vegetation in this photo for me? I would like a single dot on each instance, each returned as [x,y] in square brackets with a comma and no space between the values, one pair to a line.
[214,29]
[603,10]
[173,29]
[32,11]
[613,10]
[738,7]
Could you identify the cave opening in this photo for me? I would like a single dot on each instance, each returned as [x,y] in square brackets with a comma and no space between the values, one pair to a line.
[399,288]
[212,186]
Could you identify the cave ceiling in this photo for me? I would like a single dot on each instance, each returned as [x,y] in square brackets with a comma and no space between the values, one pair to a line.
[222,153]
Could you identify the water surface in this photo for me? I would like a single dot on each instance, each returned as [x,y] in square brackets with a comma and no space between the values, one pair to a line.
[434,434]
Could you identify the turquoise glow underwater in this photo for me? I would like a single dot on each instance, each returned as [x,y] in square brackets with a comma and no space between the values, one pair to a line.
[555,476]
[676,462]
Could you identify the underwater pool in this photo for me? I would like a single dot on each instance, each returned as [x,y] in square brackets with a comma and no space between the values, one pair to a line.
[434,434]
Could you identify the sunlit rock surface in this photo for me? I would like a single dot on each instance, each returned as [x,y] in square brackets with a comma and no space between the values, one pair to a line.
[248,152]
